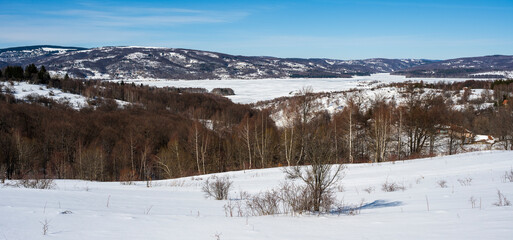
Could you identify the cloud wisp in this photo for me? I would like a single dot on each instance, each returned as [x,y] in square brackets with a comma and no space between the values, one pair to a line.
[130,16]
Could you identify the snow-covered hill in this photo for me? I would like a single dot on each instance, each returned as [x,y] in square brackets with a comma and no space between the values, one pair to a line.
[451,197]
[31,54]
[173,63]
[496,66]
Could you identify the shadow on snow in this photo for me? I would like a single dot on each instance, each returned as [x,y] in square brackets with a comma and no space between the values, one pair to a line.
[371,205]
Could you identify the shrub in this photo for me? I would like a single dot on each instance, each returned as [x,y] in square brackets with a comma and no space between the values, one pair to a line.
[391,187]
[349,209]
[503,201]
[217,187]
[473,201]
[442,183]
[369,190]
[465,181]
[508,176]
[265,203]
[46,225]
[288,199]
[34,183]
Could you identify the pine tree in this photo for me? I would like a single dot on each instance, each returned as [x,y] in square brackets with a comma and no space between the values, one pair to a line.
[30,70]
[14,72]
[43,75]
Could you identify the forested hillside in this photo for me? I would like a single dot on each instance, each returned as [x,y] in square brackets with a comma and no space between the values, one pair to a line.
[172,132]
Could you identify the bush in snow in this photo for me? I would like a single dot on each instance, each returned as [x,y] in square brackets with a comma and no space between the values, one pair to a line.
[45,224]
[217,187]
[503,201]
[391,187]
[38,183]
[34,183]
[465,181]
[369,190]
[442,183]
[265,203]
[287,199]
[508,176]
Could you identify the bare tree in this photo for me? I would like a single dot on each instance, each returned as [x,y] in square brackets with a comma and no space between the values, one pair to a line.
[321,175]
[423,115]
[350,134]
[25,153]
[502,126]
[200,139]
[299,112]
[245,135]
[399,133]
[262,138]
[380,129]
[288,135]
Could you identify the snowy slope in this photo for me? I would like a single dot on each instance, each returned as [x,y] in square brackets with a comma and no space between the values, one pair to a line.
[30,54]
[495,66]
[22,90]
[177,209]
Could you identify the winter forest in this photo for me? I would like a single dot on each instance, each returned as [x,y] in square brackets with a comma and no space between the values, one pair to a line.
[129,132]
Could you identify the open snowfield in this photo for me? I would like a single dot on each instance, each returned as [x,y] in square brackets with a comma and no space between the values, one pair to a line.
[251,91]
[177,209]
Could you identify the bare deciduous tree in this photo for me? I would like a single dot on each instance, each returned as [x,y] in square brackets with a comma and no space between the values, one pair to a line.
[322,174]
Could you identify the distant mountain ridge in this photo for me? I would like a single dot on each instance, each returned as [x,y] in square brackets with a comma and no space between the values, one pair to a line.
[31,54]
[494,66]
[176,63]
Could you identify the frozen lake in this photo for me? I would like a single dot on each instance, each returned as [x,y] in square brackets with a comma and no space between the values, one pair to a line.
[251,91]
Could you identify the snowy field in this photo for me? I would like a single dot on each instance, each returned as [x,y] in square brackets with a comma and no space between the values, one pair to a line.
[177,209]
[251,91]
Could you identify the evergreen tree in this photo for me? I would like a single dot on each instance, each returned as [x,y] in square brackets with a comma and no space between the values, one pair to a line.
[14,72]
[30,71]
[43,76]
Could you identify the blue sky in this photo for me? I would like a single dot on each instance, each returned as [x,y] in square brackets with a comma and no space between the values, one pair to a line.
[306,29]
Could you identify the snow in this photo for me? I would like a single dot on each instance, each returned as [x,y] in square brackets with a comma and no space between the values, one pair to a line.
[251,91]
[208,54]
[136,56]
[60,50]
[22,90]
[506,74]
[144,47]
[240,65]
[97,74]
[368,92]
[330,62]
[484,138]
[177,209]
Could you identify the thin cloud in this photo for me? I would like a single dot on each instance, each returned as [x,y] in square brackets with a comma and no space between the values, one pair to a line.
[128,16]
